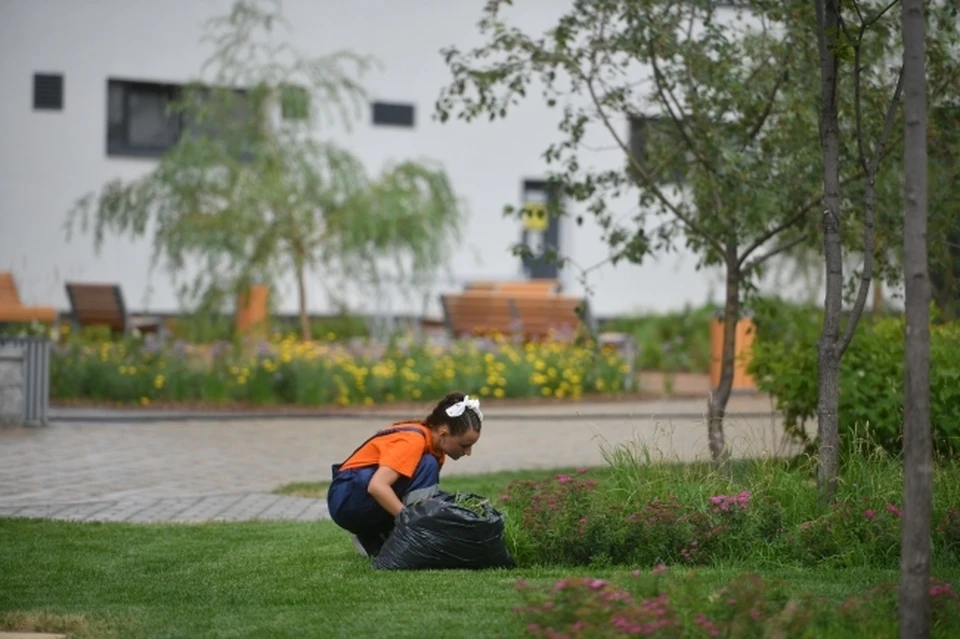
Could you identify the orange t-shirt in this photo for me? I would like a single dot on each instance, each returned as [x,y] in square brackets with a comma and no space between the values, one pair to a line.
[400,451]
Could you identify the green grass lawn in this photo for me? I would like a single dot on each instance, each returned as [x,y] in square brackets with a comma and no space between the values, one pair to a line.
[273,580]
[489,485]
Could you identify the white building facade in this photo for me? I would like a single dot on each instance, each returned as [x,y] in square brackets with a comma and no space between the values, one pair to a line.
[51,154]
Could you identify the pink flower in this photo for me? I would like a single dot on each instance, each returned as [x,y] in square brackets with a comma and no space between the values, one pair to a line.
[596,584]
[563,479]
[869,514]
[942,589]
[893,509]
[582,470]
[717,499]
[661,568]
[635,573]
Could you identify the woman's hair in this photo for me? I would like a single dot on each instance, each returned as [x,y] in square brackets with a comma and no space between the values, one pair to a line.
[468,420]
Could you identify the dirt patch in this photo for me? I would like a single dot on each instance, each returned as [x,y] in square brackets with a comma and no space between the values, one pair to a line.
[39,624]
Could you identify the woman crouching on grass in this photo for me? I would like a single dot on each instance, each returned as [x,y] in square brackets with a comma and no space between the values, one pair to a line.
[398,466]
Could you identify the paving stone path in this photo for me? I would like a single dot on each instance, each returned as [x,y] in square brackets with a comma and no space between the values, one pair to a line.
[240,507]
[91,466]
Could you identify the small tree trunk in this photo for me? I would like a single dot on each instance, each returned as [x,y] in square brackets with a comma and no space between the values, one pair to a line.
[828,348]
[917,444]
[878,302]
[717,403]
[302,301]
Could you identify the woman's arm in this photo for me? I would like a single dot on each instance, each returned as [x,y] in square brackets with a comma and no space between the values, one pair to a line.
[381,489]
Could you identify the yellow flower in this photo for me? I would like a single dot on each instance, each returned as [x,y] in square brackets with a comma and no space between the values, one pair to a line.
[498,392]
[417,393]
[158,381]
[368,401]
[144,401]
[545,391]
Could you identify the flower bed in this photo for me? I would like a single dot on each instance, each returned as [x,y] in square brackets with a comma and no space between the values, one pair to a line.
[662,603]
[285,371]
[641,514]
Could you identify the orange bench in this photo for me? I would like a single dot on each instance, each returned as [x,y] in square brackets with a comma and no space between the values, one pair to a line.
[477,313]
[102,305]
[12,309]
[543,287]
[532,313]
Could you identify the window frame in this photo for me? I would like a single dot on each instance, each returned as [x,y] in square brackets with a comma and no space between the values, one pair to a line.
[117,134]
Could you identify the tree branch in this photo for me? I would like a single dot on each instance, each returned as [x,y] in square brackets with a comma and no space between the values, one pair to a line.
[857,101]
[768,109]
[650,183]
[678,120]
[793,219]
[869,222]
[782,248]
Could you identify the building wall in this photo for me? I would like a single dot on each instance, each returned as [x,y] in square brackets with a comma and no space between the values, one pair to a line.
[50,158]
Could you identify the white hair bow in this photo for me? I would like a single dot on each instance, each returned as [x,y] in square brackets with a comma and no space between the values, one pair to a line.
[456,410]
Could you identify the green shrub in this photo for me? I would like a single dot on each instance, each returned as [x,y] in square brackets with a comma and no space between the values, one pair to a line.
[674,342]
[785,365]
[644,513]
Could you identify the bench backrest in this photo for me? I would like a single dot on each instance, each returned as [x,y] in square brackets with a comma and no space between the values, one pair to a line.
[8,290]
[531,314]
[98,305]
[538,316]
[477,312]
[542,287]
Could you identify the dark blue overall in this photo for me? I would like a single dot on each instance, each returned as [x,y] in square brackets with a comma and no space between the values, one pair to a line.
[354,509]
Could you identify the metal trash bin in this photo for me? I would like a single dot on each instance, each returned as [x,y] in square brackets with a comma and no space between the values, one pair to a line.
[24,380]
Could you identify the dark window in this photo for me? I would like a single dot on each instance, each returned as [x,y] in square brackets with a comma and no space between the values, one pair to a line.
[48,91]
[389,114]
[294,103]
[216,113]
[139,121]
[657,146]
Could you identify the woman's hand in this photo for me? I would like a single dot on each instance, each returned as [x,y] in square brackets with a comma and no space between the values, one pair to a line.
[381,489]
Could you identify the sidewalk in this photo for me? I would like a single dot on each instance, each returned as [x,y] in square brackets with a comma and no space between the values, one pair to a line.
[148,470]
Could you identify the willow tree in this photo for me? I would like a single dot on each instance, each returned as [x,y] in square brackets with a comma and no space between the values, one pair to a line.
[250,193]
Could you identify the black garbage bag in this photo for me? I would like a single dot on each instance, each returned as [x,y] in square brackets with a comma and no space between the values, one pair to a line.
[439,533]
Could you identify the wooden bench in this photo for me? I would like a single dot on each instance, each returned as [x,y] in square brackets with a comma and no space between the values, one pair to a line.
[102,305]
[529,313]
[542,287]
[539,316]
[477,313]
[13,311]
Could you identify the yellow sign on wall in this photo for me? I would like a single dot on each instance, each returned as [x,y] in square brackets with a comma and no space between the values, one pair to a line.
[535,216]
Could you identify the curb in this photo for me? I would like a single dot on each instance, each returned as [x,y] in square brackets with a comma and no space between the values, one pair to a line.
[139,417]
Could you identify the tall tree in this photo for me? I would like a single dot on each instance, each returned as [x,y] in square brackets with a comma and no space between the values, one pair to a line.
[917,444]
[249,193]
[839,43]
[706,107]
